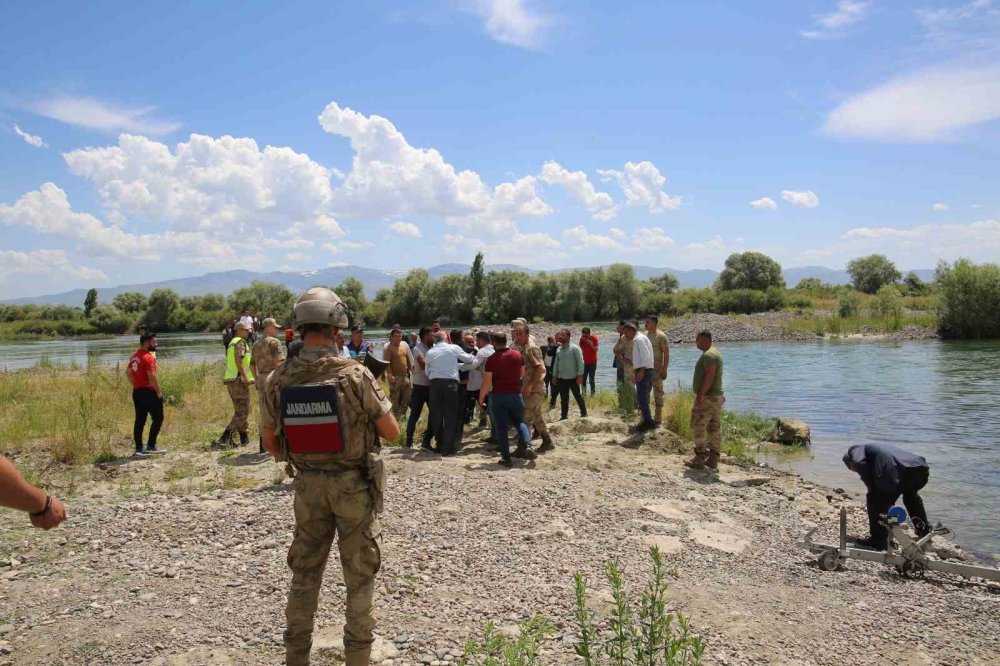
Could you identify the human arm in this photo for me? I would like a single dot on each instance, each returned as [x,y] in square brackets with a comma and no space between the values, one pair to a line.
[17,493]
[387,427]
[240,352]
[155,382]
[706,384]
[484,390]
[578,355]
[666,361]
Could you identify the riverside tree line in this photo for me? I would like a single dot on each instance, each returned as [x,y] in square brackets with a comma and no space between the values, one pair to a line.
[966,297]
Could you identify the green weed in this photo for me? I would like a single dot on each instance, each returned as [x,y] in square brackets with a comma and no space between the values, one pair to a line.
[499,649]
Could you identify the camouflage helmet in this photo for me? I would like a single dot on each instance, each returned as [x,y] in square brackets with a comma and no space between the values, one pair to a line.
[319,305]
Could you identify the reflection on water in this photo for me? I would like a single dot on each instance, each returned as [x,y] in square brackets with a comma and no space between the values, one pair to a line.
[937,399]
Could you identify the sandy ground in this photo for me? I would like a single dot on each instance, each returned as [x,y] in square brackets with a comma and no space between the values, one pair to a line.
[160,565]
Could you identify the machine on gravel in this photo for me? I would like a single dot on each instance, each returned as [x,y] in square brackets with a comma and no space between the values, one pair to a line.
[907,554]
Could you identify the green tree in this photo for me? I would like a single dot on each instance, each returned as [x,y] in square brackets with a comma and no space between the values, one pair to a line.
[406,300]
[848,303]
[667,283]
[352,292]
[506,295]
[914,285]
[214,302]
[595,291]
[970,299]
[90,302]
[109,319]
[448,298]
[476,277]
[162,303]
[570,298]
[888,303]
[868,274]
[262,297]
[621,292]
[809,284]
[131,302]
[750,270]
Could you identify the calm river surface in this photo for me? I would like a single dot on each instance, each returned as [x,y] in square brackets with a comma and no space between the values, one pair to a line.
[937,399]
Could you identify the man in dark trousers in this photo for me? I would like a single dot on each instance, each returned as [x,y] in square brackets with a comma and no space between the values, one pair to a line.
[889,472]
[147,397]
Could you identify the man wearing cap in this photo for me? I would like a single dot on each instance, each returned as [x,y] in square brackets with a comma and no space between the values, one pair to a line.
[661,360]
[642,367]
[325,415]
[266,356]
[238,379]
[400,359]
[147,397]
[514,325]
[357,347]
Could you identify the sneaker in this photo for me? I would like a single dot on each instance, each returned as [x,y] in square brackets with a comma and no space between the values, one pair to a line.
[505,462]
[524,453]
[140,454]
[154,451]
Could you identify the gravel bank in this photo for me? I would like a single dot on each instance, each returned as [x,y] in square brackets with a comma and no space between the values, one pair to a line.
[767,327]
[194,579]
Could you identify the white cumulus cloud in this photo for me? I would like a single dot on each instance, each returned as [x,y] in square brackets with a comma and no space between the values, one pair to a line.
[599,204]
[207,184]
[514,22]
[764,203]
[47,263]
[390,177]
[405,229]
[579,237]
[804,199]
[30,139]
[834,23]
[642,183]
[526,249]
[929,105]
[95,114]
[939,207]
[652,238]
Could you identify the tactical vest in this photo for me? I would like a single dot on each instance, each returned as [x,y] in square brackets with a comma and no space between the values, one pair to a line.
[321,422]
[231,370]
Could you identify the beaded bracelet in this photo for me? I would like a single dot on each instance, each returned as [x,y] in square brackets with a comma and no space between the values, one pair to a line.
[48,505]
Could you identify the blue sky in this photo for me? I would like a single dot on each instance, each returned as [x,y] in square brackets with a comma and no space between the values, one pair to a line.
[145,141]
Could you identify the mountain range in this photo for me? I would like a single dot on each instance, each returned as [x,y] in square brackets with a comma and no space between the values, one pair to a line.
[375,279]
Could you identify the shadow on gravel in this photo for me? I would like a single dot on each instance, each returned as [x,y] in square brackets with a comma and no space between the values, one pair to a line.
[701,476]
[246,459]
[282,488]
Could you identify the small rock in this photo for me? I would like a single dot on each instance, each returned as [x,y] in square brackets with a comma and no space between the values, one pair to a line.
[6,629]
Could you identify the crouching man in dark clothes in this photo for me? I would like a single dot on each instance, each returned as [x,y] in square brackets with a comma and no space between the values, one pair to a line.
[889,472]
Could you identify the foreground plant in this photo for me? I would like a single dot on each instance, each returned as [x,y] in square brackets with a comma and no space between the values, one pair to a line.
[642,633]
[499,649]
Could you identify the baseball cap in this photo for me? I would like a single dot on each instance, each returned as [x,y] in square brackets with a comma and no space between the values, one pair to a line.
[242,325]
[146,336]
[631,324]
[357,327]
[652,317]
[270,321]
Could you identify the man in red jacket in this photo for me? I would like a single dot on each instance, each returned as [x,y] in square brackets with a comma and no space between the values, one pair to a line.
[147,397]
[588,345]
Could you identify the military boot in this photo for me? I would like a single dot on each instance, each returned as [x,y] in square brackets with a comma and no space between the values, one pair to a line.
[547,444]
[224,440]
[244,439]
[524,453]
[699,461]
[713,461]
[260,444]
[357,657]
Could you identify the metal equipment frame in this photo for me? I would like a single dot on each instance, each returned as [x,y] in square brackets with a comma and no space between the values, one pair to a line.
[910,559]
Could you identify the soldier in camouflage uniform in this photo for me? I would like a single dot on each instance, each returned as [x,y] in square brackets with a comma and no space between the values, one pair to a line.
[623,354]
[533,385]
[238,379]
[661,361]
[324,414]
[267,355]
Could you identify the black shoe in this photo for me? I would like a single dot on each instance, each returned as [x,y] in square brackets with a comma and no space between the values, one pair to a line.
[524,453]
[224,440]
[547,445]
[505,462]
[244,439]
[426,446]
[870,544]
[408,445]
[583,415]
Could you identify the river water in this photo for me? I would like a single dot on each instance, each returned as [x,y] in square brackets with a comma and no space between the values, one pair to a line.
[937,399]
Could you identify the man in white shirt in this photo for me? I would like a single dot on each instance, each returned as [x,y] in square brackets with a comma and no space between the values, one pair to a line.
[441,365]
[476,372]
[421,392]
[643,365]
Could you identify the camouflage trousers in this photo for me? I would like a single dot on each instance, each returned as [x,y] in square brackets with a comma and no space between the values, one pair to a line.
[399,394]
[239,393]
[533,414]
[328,504]
[260,381]
[708,420]
[657,388]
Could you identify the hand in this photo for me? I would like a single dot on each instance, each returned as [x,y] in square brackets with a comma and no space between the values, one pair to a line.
[526,391]
[663,375]
[579,380]
[640,374]
[55,515]
[159,395]
[250,382]
[699,403]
